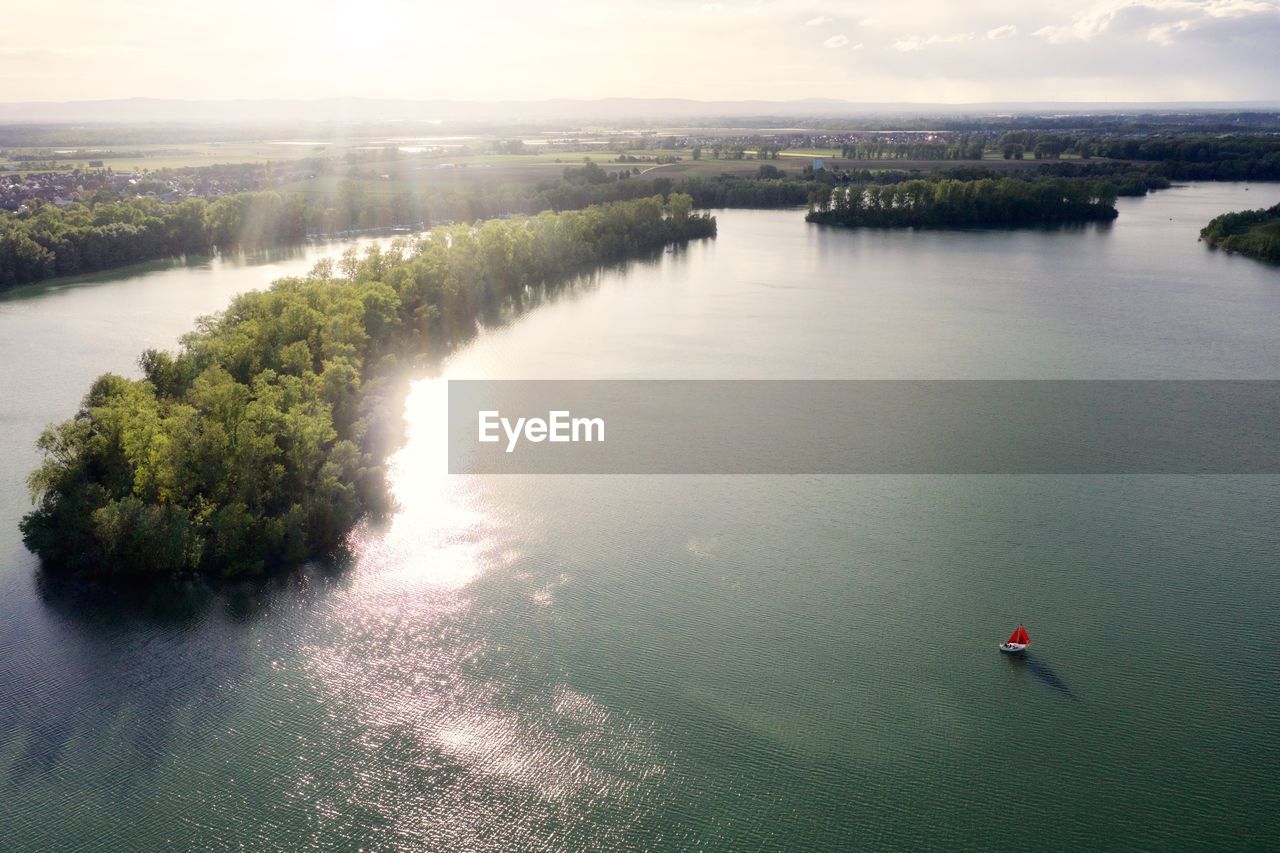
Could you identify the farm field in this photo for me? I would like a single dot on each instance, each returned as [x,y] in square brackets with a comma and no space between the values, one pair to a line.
[154,157]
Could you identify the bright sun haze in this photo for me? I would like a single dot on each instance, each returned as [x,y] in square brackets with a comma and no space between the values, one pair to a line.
[927,51]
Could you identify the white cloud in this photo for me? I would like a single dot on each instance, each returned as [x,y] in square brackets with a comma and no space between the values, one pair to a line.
[1229,8]
[857,46]
[1159,21]
[1007,31]
[836,41]
[1083,28]
[868,22]
[713,7]
[1166,34]
[818,21]
[910,43]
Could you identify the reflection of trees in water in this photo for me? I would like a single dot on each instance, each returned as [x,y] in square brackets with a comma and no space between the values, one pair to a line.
[95,608]
[498,314]
[140,665]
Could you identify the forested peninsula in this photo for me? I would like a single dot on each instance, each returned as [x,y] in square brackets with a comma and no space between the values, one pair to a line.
[86,238]
[956,203]
[263,440]
[1255,233]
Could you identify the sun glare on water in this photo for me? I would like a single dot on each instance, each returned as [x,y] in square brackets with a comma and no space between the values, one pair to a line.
[437,537]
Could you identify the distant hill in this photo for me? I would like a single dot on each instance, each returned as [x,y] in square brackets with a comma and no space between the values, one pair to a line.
[157,110]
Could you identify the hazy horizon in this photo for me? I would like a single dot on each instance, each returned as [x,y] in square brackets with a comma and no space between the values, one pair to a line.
[917,51]
[674,111]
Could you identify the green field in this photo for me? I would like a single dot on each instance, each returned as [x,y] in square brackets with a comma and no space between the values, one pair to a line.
[154,157]
[360,158]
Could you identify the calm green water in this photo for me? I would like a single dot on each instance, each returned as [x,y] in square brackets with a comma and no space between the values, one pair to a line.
[698,662]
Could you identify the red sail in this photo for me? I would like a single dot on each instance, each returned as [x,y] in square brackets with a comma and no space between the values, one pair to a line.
[1022,635]
[1013,638]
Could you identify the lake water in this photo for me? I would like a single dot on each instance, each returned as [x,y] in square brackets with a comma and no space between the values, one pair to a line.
[697,662]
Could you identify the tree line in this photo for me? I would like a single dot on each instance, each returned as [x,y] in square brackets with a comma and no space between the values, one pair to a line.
[1172,155]
[1255,233]
[91,237]
[949,203]
[84,238]
[263,439]
[1234,157]
[961,148]
[1128,179]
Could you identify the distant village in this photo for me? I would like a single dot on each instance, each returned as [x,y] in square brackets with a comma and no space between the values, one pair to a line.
[18,192]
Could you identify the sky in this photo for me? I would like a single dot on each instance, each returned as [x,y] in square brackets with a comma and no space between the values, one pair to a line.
[934,51]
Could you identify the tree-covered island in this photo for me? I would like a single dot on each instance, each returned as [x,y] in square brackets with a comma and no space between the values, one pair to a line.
[958,203]
[263,440]
[1255,233]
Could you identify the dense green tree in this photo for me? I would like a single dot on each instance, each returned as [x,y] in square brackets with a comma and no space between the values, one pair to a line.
[1255,233]
[1231,157]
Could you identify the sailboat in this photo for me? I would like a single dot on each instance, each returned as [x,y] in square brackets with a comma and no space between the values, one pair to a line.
[1018,640]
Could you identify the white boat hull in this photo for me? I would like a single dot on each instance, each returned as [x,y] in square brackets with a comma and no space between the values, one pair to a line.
[1013,648]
